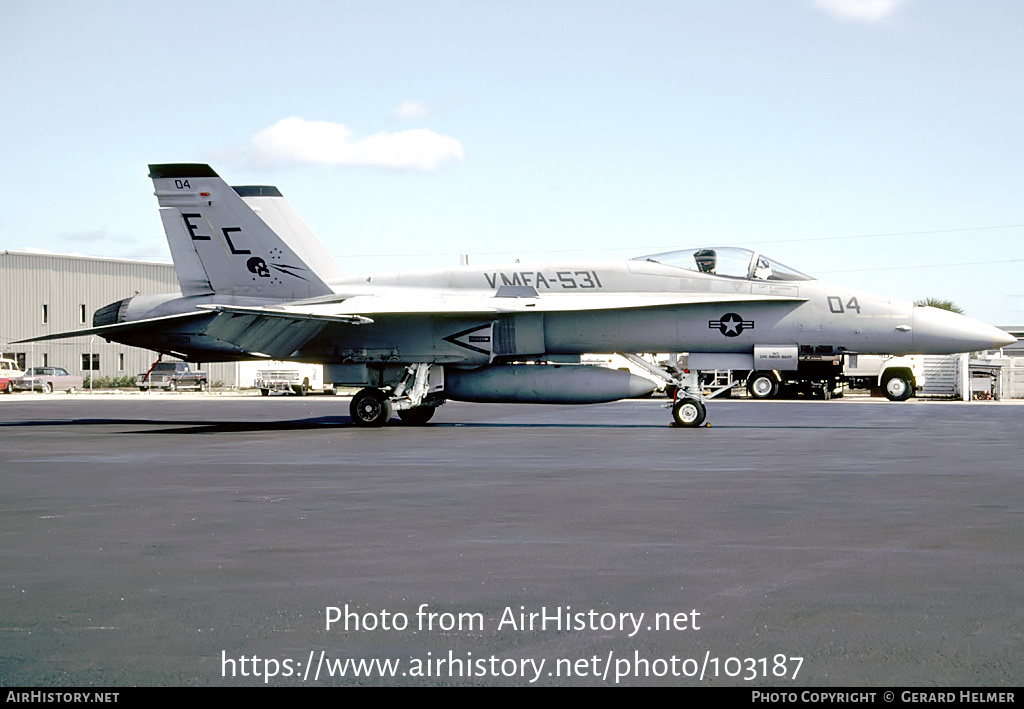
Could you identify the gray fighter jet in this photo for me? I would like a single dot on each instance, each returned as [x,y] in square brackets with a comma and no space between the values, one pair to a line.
[256,284]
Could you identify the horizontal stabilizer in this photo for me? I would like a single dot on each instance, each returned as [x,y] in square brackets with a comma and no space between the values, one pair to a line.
[108,331]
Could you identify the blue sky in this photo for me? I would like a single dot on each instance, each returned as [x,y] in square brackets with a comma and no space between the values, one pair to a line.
[875,143]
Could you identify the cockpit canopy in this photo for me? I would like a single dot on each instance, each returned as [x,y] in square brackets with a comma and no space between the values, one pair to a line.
[730,262]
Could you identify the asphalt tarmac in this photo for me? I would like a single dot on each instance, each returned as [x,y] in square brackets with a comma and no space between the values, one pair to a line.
[208,540]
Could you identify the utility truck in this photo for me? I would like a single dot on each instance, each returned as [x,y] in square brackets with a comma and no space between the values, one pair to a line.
[825,376]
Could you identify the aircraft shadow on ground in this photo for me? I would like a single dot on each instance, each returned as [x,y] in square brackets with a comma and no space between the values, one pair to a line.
[344,422]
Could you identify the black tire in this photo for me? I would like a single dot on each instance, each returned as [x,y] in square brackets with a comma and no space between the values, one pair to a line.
[762,385]
[418,415]
[9,389]
[898,388]
[172,386]
[264,392]
[370,408]
[143,388]
[689,413]
[47,388]
[204,386]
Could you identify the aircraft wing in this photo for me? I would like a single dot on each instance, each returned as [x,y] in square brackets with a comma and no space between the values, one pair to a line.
[288,314]
[273,333]
[515,300]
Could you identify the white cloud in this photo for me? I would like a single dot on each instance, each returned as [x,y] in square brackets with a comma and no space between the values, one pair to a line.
[863,10]
[412,111]
[295,141]
[99,236]
[88,237]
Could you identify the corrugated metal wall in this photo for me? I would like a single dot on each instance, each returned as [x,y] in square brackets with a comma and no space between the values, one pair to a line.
[1016,388]
[942,374]
[42,294]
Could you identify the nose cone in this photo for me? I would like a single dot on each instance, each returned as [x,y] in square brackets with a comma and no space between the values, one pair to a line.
[939,331]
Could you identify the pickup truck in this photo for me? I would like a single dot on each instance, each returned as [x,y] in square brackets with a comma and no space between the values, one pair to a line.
[172,376]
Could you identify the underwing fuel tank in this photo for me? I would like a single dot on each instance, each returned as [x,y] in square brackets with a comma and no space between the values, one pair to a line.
[544,384]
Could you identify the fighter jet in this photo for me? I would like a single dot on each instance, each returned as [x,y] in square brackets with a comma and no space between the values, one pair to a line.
[256,284]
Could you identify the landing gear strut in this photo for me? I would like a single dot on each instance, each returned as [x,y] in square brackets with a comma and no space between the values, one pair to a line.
[688,408]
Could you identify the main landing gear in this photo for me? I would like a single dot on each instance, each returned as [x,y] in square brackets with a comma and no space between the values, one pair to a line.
[370,407]
[415,399]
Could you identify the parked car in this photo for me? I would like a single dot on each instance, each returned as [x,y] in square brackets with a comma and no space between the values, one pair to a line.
[171,376]
[46,380]
[9,369]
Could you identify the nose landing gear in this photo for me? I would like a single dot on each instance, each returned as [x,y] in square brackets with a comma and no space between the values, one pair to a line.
[688,412]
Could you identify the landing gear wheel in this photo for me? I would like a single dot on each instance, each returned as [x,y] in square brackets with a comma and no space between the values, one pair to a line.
[898,388]
[370,408]
[689,413]
[418,415]
[762,385]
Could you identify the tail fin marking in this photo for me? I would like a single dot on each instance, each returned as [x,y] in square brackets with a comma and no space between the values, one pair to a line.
[220,245]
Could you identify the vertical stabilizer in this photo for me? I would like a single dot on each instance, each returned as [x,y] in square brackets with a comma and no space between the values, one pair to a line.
[219,244]
[272,207]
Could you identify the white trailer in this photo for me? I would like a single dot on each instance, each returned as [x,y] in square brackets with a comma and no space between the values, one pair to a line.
[289,378]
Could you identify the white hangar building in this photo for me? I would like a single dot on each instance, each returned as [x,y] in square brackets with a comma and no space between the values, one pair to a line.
[41,294]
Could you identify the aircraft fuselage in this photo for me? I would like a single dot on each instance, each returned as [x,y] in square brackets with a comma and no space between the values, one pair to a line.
[577,308]
[256,284]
